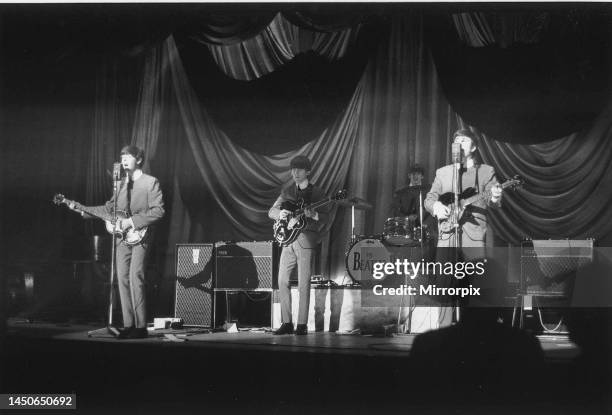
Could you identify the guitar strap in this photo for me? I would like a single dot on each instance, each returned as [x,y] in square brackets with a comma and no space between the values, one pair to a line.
[476,179]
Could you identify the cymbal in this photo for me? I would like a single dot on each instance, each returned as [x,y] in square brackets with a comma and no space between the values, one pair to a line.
[357,202]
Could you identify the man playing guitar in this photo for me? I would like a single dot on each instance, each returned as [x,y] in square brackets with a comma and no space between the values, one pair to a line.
[473,178]
[462,232]
[300,252]
[141,197]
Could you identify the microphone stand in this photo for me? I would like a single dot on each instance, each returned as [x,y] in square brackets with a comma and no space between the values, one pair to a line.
[457,192]
[407,328]
[110,329]
[456,213]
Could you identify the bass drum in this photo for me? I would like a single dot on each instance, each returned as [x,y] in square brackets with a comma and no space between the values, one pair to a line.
[362,255]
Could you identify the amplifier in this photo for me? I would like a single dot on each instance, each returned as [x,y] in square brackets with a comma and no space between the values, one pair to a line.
[245,265]
[194,291]
[547,264]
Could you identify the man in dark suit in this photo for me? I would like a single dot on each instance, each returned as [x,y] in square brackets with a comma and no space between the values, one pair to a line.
[474,178]
[300,253]
[406,207]
[406,199]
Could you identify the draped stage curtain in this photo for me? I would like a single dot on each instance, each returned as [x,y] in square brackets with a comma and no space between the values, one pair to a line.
[398,115]
[537,77]
[568,185]
[405,120]
[245,184]
[278,43]
[480,29]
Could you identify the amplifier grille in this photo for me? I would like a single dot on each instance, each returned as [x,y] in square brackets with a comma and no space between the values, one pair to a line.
[546,264]
[194,299]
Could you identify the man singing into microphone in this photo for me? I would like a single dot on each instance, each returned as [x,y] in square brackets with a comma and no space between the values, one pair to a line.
[140,197]
[466,241]
[473,178]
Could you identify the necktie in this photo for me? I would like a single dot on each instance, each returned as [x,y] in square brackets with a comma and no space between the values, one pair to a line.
[130,184]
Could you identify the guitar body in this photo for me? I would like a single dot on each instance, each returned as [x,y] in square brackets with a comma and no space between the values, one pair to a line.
[467,198]
[282,233]
[129,237]
[285,235]
[456,212]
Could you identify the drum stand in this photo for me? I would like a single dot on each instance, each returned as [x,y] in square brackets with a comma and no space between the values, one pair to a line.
[354,203]
[353,283]
[110,330]
[353,236]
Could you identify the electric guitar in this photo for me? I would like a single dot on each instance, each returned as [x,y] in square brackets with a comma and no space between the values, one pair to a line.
[456,212]
[130,237]
[285,235]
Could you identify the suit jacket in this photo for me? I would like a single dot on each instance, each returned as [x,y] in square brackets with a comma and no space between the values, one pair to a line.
[311,235]
[146,204]
[480,178]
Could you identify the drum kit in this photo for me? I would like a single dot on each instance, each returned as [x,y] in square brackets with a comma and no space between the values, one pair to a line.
[401,231]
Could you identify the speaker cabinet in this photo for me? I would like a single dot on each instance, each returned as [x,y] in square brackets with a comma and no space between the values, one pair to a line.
[245,265]
[194,284]
[546,265]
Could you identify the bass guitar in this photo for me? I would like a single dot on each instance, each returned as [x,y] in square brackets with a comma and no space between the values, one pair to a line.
[285,235]
[130,237]
[456,212]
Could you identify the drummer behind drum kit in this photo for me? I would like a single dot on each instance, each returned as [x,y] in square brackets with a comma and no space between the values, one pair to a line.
[397,231]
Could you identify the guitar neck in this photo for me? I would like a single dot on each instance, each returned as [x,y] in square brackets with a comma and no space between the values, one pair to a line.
[315,205]
[89,211]
[484,195]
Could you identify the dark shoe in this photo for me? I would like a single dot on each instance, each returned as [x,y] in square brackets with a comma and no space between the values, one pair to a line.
[301,330]
[285,328]
[125,332]
[138,333]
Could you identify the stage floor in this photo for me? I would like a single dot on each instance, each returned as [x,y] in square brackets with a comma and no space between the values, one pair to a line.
[255,372]
[555,347]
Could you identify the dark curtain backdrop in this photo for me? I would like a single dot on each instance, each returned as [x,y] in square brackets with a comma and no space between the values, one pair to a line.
[568,185]
[397,116]
[382,97]
[46,123]
[532,77]
[297,96]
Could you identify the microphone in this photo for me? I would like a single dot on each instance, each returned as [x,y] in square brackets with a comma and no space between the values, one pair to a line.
[456,154]
[116,172]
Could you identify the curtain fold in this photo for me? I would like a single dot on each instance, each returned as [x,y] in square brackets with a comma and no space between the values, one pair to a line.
[405,120]
[398,116]
[473,29]
[540,87]
[226,28]
[568,185]
[278,43]
[113,123]
[151,104]
[245,184]
[480,29]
